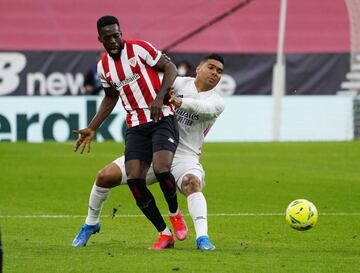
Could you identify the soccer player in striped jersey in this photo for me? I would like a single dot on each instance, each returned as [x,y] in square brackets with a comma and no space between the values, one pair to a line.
[130,70]
[198,105]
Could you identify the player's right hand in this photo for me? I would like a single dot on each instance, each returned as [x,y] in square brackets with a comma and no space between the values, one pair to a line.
[166,57]
[84,140]
[155,108]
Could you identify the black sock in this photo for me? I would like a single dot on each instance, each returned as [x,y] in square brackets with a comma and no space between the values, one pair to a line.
[168,187]
[146,202]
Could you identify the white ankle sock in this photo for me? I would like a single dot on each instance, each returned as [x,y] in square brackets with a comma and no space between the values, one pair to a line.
[198,211]
[174,214]
[166,231]
[97,197]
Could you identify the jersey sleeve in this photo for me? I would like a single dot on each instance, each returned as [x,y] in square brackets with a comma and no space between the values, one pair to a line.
[178,83]
[207,109]
[101,75]
[147,52]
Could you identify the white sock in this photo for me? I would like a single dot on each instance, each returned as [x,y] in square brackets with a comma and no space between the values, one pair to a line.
[174,214]
[166,231]
[97,197]
[198,211]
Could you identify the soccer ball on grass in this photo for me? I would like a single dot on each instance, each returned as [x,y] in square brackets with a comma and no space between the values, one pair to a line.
[301,214]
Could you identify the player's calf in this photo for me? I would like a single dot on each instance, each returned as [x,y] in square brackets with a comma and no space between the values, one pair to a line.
[168,187]
[146,202]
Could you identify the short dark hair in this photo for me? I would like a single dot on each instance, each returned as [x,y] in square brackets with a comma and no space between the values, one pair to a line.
[106,21]
[214,56]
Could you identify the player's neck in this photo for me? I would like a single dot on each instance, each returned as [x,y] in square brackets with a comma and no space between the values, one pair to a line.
[201,87]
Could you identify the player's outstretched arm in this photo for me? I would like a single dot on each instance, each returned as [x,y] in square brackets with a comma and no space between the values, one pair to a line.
[87,134]
[207,109]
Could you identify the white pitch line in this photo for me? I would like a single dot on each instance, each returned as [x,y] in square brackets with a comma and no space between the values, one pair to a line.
[239,214]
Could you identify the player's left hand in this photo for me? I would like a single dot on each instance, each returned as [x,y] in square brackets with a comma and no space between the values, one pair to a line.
[84,140]
[155,108]
[174,100]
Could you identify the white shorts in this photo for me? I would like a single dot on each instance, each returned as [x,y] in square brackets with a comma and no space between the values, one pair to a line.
[179,169]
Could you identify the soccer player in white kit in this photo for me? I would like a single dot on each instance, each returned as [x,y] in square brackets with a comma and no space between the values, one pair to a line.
[198,105]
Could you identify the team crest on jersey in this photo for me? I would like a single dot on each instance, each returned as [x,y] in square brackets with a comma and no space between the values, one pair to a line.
[132,61]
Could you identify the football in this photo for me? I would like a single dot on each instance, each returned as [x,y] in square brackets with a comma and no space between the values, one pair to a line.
[301,214]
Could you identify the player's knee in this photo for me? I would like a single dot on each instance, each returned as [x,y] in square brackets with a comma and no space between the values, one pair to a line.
[190,184]
[106,179]
[167,183]
[162,161]
[101,177]
[162,167]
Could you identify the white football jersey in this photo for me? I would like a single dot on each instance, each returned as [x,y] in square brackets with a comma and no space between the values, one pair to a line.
[196,115]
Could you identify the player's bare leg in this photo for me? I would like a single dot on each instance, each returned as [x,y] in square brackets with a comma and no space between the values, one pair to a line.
[162,161]
[191,188]
[107,178]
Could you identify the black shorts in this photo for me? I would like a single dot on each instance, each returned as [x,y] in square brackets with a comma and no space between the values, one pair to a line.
[144,140]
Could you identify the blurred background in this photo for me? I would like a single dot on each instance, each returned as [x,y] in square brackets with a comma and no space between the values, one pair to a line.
[49,49]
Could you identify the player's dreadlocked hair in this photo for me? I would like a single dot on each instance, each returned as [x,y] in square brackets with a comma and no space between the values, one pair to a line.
[105,21]
[214,56]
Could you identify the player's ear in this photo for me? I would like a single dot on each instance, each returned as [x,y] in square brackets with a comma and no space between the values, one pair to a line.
[198,68]
[99,38]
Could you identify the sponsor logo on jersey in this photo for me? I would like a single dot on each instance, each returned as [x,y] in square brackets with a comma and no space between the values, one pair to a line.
[129,80]
[185,117]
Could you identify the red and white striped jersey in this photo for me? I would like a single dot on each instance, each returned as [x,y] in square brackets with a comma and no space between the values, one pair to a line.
[135,79]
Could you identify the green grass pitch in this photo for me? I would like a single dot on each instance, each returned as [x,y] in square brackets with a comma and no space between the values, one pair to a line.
[42,180]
